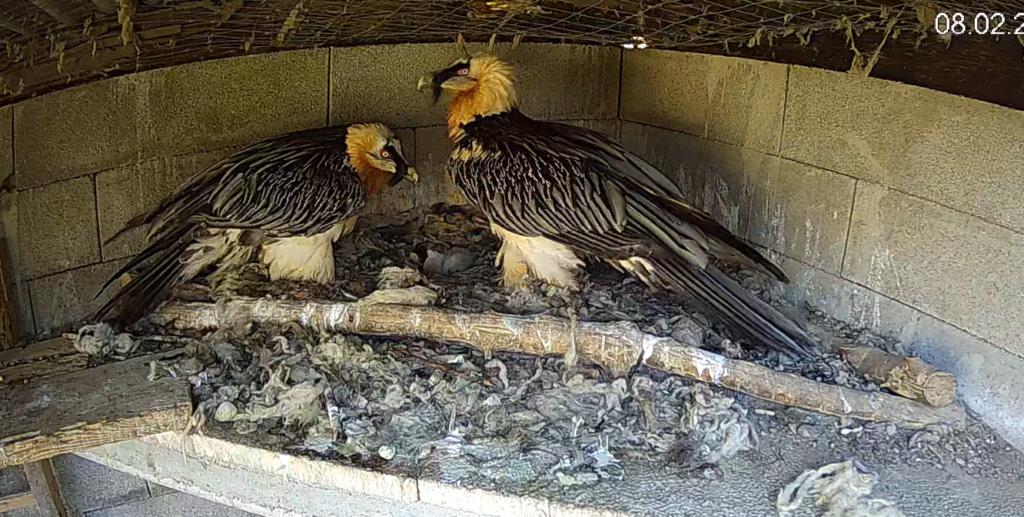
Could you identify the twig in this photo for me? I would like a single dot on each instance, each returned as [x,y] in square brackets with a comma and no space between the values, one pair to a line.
[612,345]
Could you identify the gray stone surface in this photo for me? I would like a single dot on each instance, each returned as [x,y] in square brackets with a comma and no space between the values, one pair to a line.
[555,82]
[76,131]
[6,142]
[23,512]
[747,487]
[13,481]
[378,84]
[959,152]
[953,266]
[673,153]
[252,490]
[787,206]
[157,490]
[432,149]
[68,296]
[737,101]
[57,227]
[227,102]
[88,486]
[174,504]
[990,379]
[609,127]
[126,192]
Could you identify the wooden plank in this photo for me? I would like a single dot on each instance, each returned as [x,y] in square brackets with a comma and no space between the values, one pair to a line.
[37,352]
[40,361]
[85,409]
[45,490]
[17,502]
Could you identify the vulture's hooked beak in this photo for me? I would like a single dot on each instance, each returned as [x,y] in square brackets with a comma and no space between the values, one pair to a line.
[403,171]
[430,81]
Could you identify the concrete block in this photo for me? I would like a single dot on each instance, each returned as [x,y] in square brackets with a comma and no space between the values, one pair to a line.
[956,151]
[401,198]
[609,127]
[57,227]
[746,102]
[126,192]
[285,485]
[175,504]
[667,89]
[990,379]
[88,486]
[673,153]
[432,150]
[13,481]
[788,207]
[23,512]
[157,490]
[378,84]
[555,82]
[737,101]
[76,131]
[953,266]
[565,82]
[783,205]
[6,142]
[227,102]
[67,297]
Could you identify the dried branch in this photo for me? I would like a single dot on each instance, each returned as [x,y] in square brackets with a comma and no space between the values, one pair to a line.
[617,346]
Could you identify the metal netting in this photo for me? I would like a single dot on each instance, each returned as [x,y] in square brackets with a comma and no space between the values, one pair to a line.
[52,44]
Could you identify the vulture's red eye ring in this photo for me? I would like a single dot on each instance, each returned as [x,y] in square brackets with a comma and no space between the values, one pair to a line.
[463,71]
[384,154]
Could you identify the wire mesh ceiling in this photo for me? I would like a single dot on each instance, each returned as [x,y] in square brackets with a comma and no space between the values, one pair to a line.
[51,44]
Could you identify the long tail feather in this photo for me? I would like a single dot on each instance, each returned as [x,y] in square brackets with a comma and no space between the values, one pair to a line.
[732,304]
[153,283]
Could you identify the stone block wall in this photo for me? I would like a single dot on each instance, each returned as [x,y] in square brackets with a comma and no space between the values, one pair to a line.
[83,161]
[892,207]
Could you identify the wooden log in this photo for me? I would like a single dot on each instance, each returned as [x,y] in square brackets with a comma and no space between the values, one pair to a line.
[49,358]
[89,408]
[17,502]
[907,376]
[45,489]
[617,346]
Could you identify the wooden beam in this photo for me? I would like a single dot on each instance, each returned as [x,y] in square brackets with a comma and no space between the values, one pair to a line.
[40,361]
[45,490]
[17,502]
[89,408]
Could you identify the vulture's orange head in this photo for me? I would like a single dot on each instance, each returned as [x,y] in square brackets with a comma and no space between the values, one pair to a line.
[376,153]
[480,85]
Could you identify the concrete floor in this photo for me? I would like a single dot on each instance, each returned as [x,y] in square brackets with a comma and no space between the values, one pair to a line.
[93,490]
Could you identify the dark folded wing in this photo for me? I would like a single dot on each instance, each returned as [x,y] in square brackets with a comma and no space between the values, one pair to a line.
[297,184]
[554,157]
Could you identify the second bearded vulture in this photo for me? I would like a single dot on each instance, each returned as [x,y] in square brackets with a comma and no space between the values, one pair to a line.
[555,193]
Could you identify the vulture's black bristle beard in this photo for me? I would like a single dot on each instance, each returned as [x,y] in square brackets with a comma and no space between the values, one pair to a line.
[437,93]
